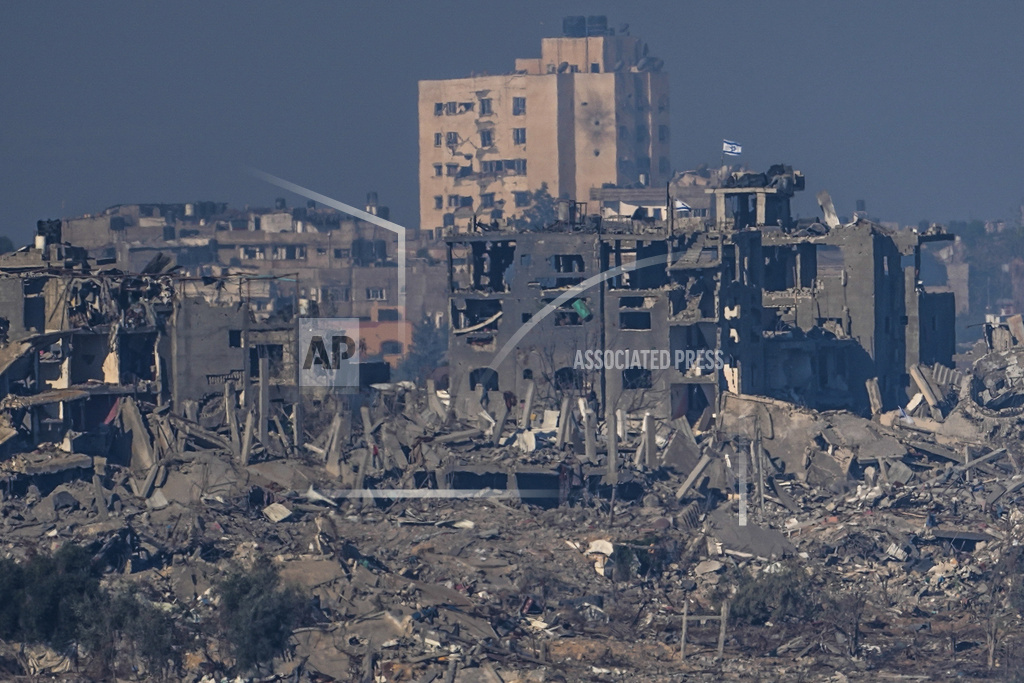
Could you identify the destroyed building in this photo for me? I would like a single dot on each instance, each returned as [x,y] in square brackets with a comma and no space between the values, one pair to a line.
[81,340]
[822,314]
[311,259]
[501,530]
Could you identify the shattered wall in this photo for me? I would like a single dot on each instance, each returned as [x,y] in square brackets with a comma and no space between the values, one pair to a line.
[205,353]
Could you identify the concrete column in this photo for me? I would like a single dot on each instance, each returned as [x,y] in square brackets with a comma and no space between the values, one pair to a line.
[264,398]
[613,450]
[563,423]
[650,447]
[524,419]
[590,441]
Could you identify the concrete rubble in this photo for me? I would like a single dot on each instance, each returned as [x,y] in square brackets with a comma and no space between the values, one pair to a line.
[448,530]
[524,573]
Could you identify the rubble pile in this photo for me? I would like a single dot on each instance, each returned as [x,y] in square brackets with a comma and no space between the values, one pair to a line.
[506,544]
[503,538]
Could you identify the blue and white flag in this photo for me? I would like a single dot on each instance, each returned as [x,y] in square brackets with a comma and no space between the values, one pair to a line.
[730,148]
[683,206]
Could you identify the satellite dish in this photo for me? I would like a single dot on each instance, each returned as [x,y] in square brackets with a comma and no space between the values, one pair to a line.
[562,67]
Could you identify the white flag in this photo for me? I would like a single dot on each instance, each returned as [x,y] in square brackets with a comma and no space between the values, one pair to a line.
[730,148]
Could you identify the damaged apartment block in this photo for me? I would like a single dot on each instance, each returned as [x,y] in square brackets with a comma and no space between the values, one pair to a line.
[86,346]
[746,300]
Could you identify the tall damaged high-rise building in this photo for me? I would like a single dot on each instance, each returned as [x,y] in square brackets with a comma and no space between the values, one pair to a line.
[592,110]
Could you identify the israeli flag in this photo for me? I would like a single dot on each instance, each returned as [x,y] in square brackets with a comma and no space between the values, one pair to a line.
[683,206]
[730,148]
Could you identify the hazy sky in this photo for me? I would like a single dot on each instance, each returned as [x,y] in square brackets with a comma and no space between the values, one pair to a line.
[915,107]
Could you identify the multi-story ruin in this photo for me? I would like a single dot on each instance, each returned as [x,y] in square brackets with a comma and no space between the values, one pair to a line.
[812,311]
[311,259]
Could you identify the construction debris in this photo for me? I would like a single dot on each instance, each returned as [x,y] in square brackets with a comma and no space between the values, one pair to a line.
[462,532]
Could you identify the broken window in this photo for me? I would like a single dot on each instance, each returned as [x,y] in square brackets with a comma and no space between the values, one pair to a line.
[235,339]
[478,315]
[451,170]
[519,136]
[438,139]
[636,378]
[451,139]
[518,106]
[489,262]
[289,253]
[438,202]
[138,359]
[496,166]
[487,200]
[376,293]
[487,138]
[448,220]
[466,201]
[647,302]
[450,108]
[465,107]
[484,376]
[567,263]
[437,169]
[391,347]
[567,318]
[595,68]
[486,107]
[438,108]
[521,198]
[694,297]
[342,253]
[453,200]
[634,320]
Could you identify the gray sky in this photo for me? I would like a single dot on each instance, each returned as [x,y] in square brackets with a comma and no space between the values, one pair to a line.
[915,107]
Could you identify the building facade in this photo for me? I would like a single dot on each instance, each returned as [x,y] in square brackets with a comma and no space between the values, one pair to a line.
[746,301]
[592,110]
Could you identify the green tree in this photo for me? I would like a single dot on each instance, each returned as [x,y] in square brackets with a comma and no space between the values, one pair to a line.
[122,626]
[256,614]
[54,592]
[541,213]
[427,353]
